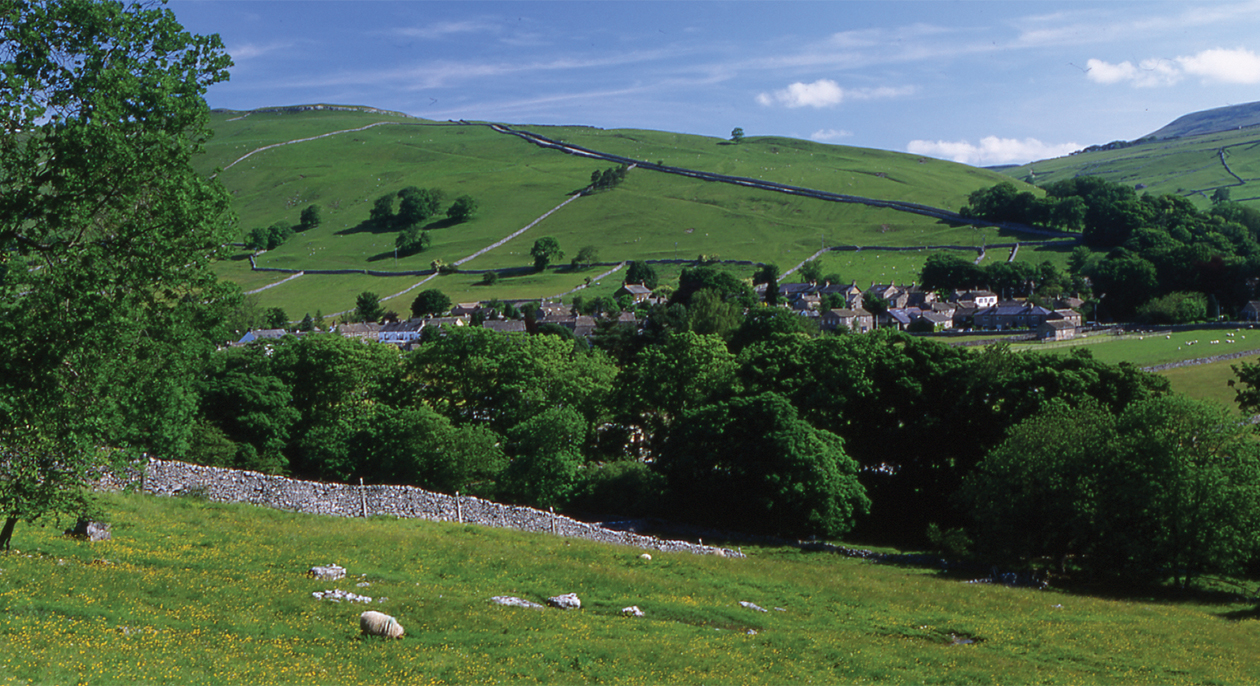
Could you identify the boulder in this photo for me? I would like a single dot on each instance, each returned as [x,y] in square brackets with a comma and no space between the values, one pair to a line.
[645,557]
[329,573]
[91,530]
[568,601]
[632,611]
[513,601]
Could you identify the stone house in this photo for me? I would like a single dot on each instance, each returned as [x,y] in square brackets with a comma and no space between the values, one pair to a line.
[856,320]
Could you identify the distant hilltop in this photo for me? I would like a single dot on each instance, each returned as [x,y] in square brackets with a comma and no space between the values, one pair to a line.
[1211,121]
[308,108]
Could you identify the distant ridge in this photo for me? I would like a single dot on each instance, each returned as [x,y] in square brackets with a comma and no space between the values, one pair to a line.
[1212,121]
[316,107]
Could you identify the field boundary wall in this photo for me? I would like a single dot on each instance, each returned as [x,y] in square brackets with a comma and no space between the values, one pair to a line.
[172,478]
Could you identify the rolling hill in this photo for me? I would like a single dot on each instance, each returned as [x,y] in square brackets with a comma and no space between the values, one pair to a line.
[277,161]
[1193,156]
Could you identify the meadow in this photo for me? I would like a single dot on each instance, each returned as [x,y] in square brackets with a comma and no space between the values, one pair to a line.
[651,216]
[193,592]
[1192,166]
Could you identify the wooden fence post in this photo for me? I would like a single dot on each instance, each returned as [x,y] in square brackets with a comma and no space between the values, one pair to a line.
[363,497]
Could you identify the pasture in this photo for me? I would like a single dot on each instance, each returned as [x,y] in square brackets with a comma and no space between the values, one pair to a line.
[191,592]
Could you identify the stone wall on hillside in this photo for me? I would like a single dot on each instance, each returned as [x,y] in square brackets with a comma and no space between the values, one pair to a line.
[169,478]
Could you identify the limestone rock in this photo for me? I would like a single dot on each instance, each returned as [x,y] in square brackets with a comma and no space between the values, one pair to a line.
[568,601]
[330,573]
[645,557]
[337,595]
[751,606]
[513,601]
[92,531]
[632,611]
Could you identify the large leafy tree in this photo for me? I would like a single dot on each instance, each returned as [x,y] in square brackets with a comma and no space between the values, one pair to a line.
[753,462]
[1169,488]
[106,233]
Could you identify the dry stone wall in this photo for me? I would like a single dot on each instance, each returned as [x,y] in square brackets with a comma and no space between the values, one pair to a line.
[170,478]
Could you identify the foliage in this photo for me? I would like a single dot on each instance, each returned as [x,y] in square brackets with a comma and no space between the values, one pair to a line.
[1167,489]
[382,214]
[310,218]
[106,233]
[608,179]
[276,318]
[811,272]
[545,251]
[478,376]
[641,272]
[490,278]
[727,286]
[367,307]
[462,209]
[547,453]
[430,302]
[709,314]
[754,463]
[586,256]
[1174,308]
[412,240]
[737,135]
[415,205]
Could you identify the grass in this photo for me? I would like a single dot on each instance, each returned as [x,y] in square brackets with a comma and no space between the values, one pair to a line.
[1189,166]
[1208,382]
[1150,349]
[651,216]
[193,592]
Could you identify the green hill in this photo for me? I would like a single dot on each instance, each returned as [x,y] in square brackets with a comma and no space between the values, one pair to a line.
[190,592]
[346,158]
[1212,121]
[1194,156]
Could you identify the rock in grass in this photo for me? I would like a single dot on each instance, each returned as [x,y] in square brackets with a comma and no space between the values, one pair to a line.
[568,601]
[513,601]
[92,531]
[375,623]
[632,611]
[329,573]
[751,606]
[645,557]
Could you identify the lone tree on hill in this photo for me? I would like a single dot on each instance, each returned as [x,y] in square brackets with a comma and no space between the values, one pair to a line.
[462,209]
[107,234]
[310,218]
[737,135]
[545,251]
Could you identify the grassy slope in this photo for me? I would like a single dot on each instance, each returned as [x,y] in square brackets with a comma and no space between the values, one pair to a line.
[1189,166]
[196,593]
[651,216]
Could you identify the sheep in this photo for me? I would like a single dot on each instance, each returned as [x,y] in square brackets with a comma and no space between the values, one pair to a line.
[375,623]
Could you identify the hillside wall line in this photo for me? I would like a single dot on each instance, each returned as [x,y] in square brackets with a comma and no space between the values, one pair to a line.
[171,478]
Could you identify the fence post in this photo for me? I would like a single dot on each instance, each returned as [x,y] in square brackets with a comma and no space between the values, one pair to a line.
[552,510]
[459,510]
[363,497]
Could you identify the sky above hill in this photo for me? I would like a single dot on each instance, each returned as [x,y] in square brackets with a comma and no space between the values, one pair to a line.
[983,83]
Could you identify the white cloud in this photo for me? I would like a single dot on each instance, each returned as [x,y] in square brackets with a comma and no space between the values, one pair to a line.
[825,135]
[1229,66]
[992,150]
[1147,73]
[252,50]
[827,93]
[1219,64]
[443,29]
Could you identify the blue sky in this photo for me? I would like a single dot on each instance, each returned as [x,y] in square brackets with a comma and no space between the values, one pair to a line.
[978,82]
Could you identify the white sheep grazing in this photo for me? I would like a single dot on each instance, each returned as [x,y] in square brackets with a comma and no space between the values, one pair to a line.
[376,623]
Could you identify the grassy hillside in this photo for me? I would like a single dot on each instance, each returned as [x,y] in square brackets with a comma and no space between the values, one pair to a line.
[197,593]
[1192,166]
[651,216]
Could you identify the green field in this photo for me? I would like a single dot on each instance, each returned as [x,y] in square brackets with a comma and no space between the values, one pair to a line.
[1208,382]
[190,592]
[652,215]
[1191,166]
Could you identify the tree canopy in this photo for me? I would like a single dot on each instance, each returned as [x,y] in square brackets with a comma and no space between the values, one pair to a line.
[106,233]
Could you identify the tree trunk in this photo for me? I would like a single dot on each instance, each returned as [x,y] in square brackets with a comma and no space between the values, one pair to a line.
[6,534]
